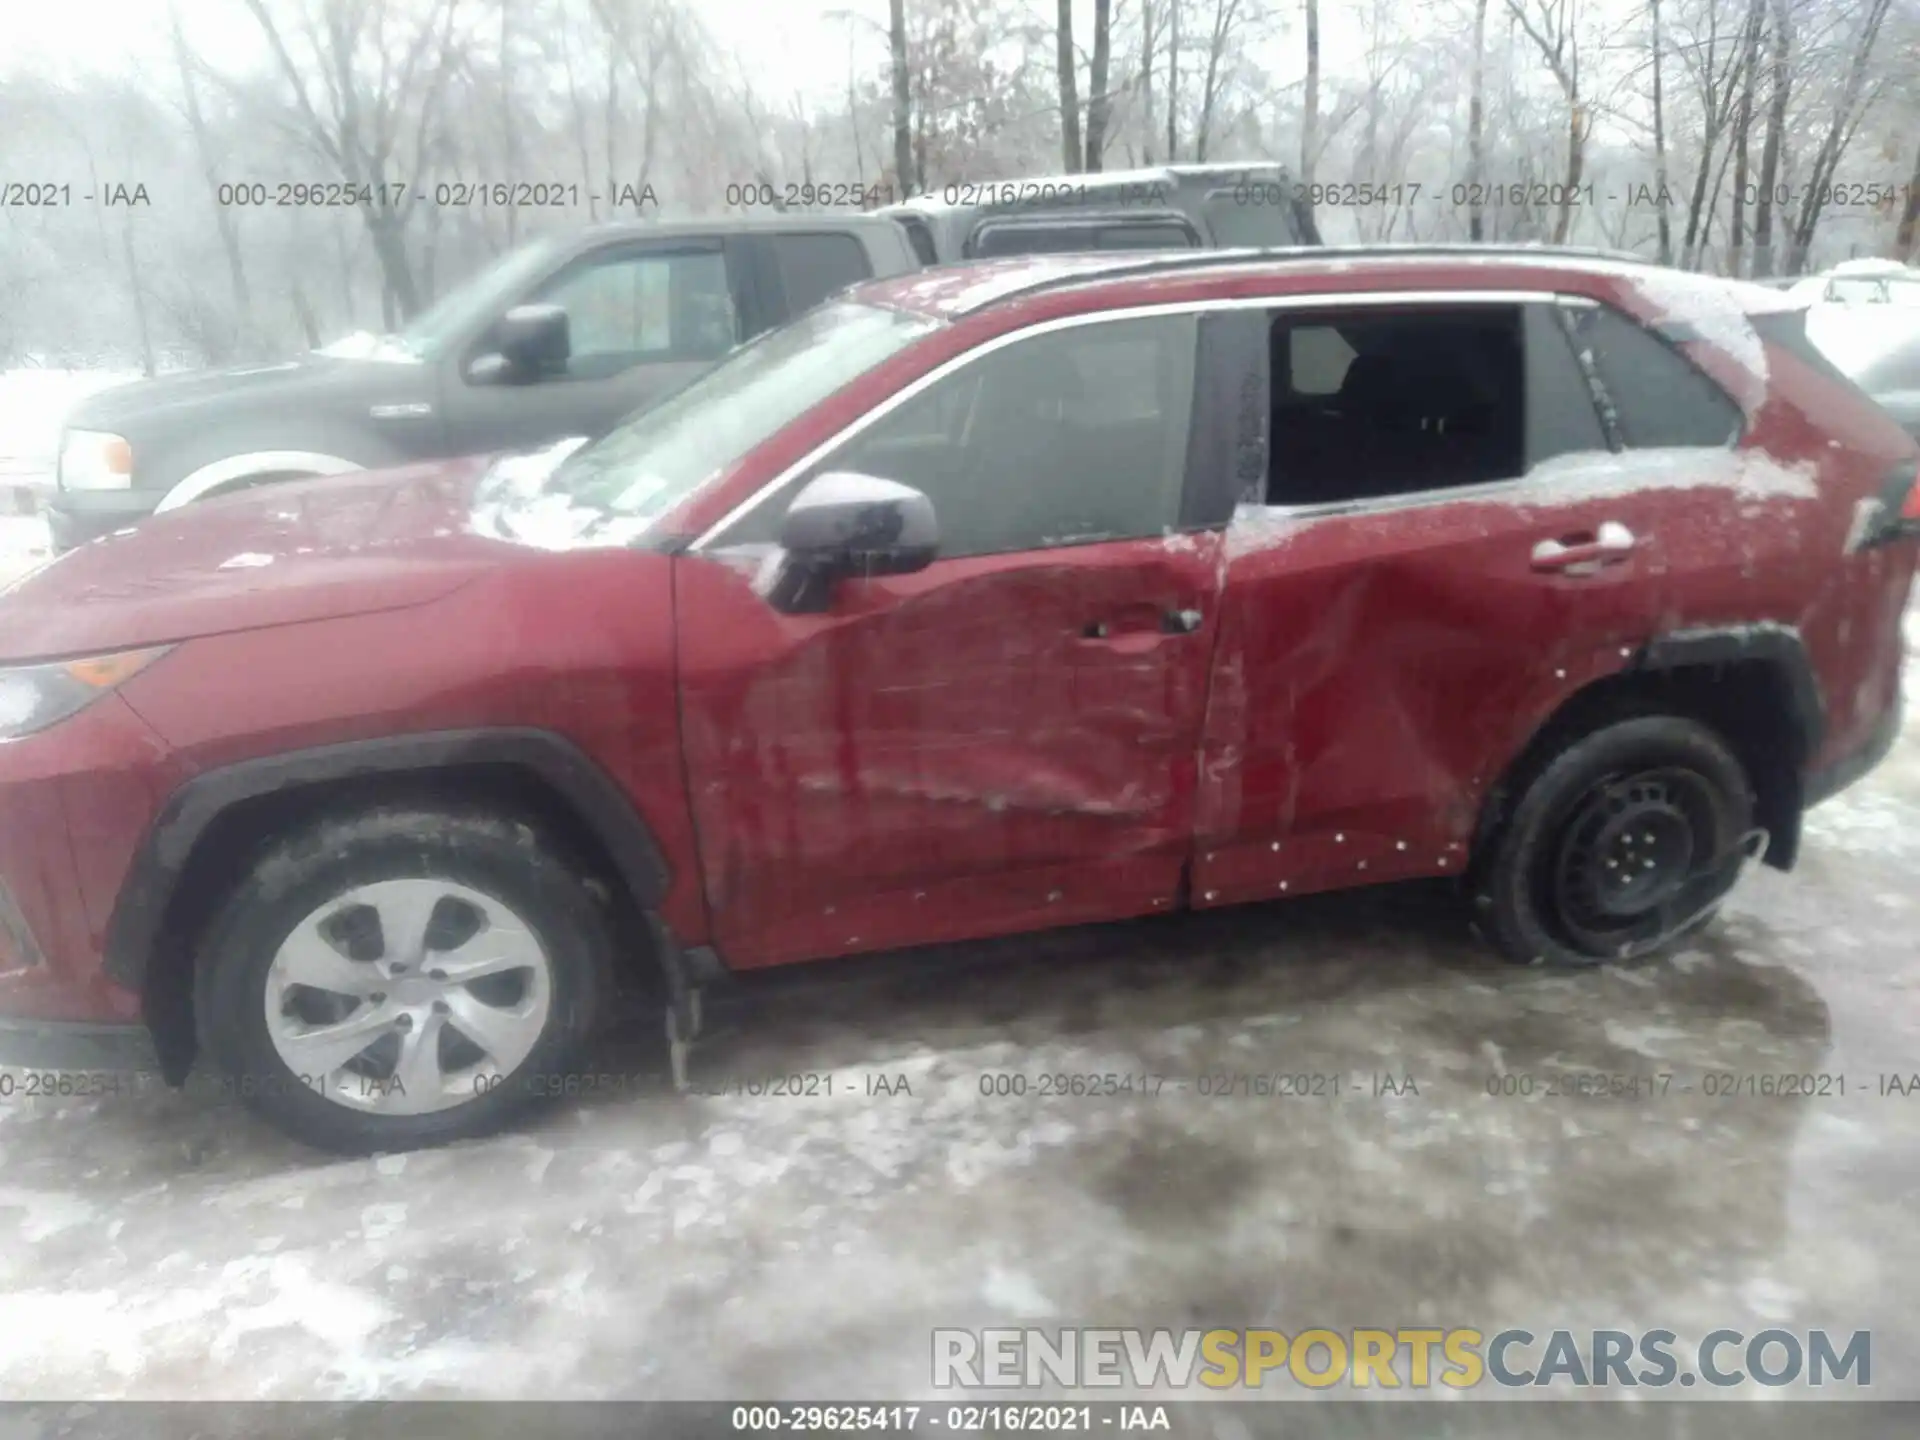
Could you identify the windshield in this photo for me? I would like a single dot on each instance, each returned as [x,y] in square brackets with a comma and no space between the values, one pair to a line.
[662,455]
[477,299]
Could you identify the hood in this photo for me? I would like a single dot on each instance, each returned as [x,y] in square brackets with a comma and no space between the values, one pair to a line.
[307,550]
[119,406]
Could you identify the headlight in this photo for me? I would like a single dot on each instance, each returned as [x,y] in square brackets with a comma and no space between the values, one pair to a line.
[32,697]
[95,460]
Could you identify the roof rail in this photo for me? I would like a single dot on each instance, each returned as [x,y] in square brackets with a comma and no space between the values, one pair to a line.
[1188,260]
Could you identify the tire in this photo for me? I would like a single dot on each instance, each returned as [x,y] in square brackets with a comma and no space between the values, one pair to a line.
[480,894]
[1618,847]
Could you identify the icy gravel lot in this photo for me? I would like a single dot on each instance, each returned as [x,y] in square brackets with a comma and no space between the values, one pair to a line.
[640,1243]
[23,544]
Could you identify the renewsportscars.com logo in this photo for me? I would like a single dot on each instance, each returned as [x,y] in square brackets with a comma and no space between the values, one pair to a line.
[1418,1359]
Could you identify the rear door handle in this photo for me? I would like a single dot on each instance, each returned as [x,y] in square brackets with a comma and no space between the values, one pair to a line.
[1609,545]
[1181,622]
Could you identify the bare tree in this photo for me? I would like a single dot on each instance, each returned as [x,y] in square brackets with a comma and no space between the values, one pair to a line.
[359,120]
[1069,93]
[1657,45]
[1310,109]
[1779,92]
[1858,91]
[902,96]
[1716,63]
[1552,28]
[1148,34]
[1743,137]
[1099,99]
[1173,80]
[223,215]
[1476,127]
[1227,15]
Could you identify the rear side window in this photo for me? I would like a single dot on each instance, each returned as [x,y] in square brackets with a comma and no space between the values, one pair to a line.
[921,238]
[1659,397]
[1070,237]
[1258,213]
[1165,235]
[812,267]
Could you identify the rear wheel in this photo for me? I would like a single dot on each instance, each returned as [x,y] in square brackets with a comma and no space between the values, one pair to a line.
[1621,844]
[402,978]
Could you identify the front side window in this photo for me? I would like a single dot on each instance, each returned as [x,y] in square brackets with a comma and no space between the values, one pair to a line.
[478,300]
[623,309]
[662,455]
[1659,397]
[1068,437]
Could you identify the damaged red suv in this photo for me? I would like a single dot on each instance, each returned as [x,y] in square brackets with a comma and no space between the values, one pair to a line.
[987,599]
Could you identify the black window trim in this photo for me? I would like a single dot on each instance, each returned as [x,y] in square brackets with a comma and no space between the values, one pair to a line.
[1090,220]
[593,257]
[714,536]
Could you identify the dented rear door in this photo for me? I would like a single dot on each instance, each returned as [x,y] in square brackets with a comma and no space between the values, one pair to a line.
[1381,663]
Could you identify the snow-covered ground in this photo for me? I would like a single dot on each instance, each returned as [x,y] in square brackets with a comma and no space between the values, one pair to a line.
[33,405]
[23,544]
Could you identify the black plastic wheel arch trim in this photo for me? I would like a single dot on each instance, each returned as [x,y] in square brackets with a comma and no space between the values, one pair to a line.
[1775,644]
[154,875]
[1780,646]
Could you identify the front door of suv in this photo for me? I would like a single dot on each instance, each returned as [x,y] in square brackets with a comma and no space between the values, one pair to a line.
[1450,548]
[1004,740]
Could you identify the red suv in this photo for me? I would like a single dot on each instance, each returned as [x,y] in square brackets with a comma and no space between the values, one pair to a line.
[981,600]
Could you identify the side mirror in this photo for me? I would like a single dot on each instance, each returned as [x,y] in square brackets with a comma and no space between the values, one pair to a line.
[529,341]
[844,524]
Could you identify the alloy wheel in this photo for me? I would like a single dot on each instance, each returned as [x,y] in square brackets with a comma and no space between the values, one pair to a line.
[403,997]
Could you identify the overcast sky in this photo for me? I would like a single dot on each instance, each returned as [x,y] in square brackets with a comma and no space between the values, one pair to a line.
[786,45]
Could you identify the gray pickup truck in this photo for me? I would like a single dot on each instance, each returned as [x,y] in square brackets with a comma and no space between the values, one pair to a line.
[561,337]
[564,336]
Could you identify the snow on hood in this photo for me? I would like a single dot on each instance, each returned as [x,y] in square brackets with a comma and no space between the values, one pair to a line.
[513,503]
[365,345]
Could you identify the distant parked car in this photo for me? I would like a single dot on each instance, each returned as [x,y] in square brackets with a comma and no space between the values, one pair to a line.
[1892,378]
[1028,593]
[562,337]
[1166,207]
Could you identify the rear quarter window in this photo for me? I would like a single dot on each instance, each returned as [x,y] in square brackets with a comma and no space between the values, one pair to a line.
[1659,397]
[812,267]
[921,238]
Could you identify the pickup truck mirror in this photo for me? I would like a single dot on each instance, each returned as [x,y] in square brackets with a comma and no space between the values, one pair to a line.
[844,524]
[530,341]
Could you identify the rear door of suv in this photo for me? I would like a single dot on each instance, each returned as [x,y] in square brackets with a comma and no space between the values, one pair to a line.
[1454,537]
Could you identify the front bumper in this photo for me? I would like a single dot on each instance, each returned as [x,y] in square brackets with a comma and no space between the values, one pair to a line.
[77,516]
[75,800]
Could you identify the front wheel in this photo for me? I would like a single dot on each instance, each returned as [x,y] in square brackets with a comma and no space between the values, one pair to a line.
[401,978]
[1620,845]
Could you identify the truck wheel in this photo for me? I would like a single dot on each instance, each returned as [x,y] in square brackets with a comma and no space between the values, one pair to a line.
[1619,846]
[401,977]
